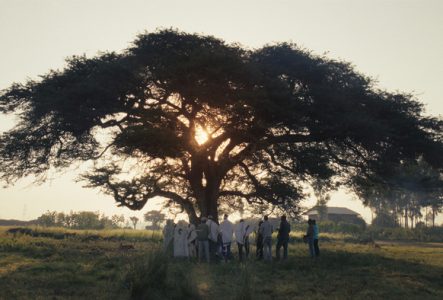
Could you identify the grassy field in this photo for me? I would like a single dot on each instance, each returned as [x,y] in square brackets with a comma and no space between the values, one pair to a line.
[93,264]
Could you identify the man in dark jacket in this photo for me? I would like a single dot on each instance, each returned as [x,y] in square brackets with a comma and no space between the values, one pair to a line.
[283,237]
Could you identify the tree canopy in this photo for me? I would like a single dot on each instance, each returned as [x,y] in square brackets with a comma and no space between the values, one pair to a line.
[204,123]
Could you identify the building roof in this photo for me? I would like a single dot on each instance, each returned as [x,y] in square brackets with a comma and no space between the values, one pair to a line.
[333,211]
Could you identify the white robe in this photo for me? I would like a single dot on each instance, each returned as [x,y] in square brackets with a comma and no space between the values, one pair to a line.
[240,232]
[181,242]
[213,230]
[226,229]
[192,236]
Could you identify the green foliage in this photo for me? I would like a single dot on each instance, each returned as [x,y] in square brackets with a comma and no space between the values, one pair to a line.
[277,118]
[384,219]
[80,220]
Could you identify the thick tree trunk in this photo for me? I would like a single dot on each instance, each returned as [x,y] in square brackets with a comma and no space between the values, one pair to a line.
[433,217]
[193,218]
[406,218]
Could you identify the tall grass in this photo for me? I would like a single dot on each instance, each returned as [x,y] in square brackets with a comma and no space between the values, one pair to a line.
[153,276]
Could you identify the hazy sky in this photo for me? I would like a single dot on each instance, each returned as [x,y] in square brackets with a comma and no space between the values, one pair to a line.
[398,42]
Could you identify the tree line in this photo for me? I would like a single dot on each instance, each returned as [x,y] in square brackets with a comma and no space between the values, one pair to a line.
[84,220]
[413,196]
[97,220]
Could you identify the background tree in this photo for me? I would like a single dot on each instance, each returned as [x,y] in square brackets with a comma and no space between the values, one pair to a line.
[118,220]
[47,219]
[404,191]
[156,218]
[134,221]
[194,120]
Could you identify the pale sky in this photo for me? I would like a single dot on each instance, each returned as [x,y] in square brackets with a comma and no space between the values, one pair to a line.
[398,42]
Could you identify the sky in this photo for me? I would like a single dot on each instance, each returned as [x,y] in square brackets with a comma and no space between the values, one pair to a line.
[397,42]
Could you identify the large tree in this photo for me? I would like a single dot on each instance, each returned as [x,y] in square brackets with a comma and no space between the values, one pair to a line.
[204,123]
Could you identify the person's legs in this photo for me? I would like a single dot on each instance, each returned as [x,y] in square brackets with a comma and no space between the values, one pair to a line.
[240,251]
[206,247]
[200,250]
[285,249]
[311,247]
[228,252]
[277,249]
[212,248]
[246,247]
[317,250]
[268,248]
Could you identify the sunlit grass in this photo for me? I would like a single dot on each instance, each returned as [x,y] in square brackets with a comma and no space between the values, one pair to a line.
[79,267]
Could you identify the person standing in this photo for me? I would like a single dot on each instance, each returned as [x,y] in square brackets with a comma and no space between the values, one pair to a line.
[192,240]
[203,240]
[283,237]
[213,236]
[310,237]
[240,235]
[266,230]
[259,242]
[226,231]
[181,248]
[316,249]
[168,236]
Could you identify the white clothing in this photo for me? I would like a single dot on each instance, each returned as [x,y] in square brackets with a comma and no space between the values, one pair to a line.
[181,248]
[226,230]
[192,240]
[240,232]
[213,230]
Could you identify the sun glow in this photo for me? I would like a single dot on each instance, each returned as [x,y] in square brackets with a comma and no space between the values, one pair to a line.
[201,135]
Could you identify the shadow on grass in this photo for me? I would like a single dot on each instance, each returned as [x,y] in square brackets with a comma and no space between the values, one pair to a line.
[351,272]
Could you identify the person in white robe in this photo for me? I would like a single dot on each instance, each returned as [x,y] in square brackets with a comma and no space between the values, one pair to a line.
[242,239]
[192,240]
[168,236]
[181,240]
[213,237]
[226,230]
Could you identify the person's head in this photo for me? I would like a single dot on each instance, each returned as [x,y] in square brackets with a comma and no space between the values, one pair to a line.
[309,221]
[241,220]
[210,217]
[225,217]
[265,218]
[283,218]
[203,220]
[313,222]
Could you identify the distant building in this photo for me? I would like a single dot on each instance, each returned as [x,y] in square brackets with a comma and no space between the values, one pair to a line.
[335,214]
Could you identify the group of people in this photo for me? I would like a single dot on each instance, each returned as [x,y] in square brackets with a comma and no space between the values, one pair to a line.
[210,241]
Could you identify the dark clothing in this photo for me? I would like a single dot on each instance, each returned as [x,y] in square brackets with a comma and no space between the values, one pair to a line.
[202,232]
[240,251]
[310,232]
[280,243]
[247,246]
[259,246]
[311,247]
[283,239]
[316,249]
[283,231]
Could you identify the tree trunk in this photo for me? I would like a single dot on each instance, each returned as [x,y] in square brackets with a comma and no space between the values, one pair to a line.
[433,217]
[426,216]
[406,218]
